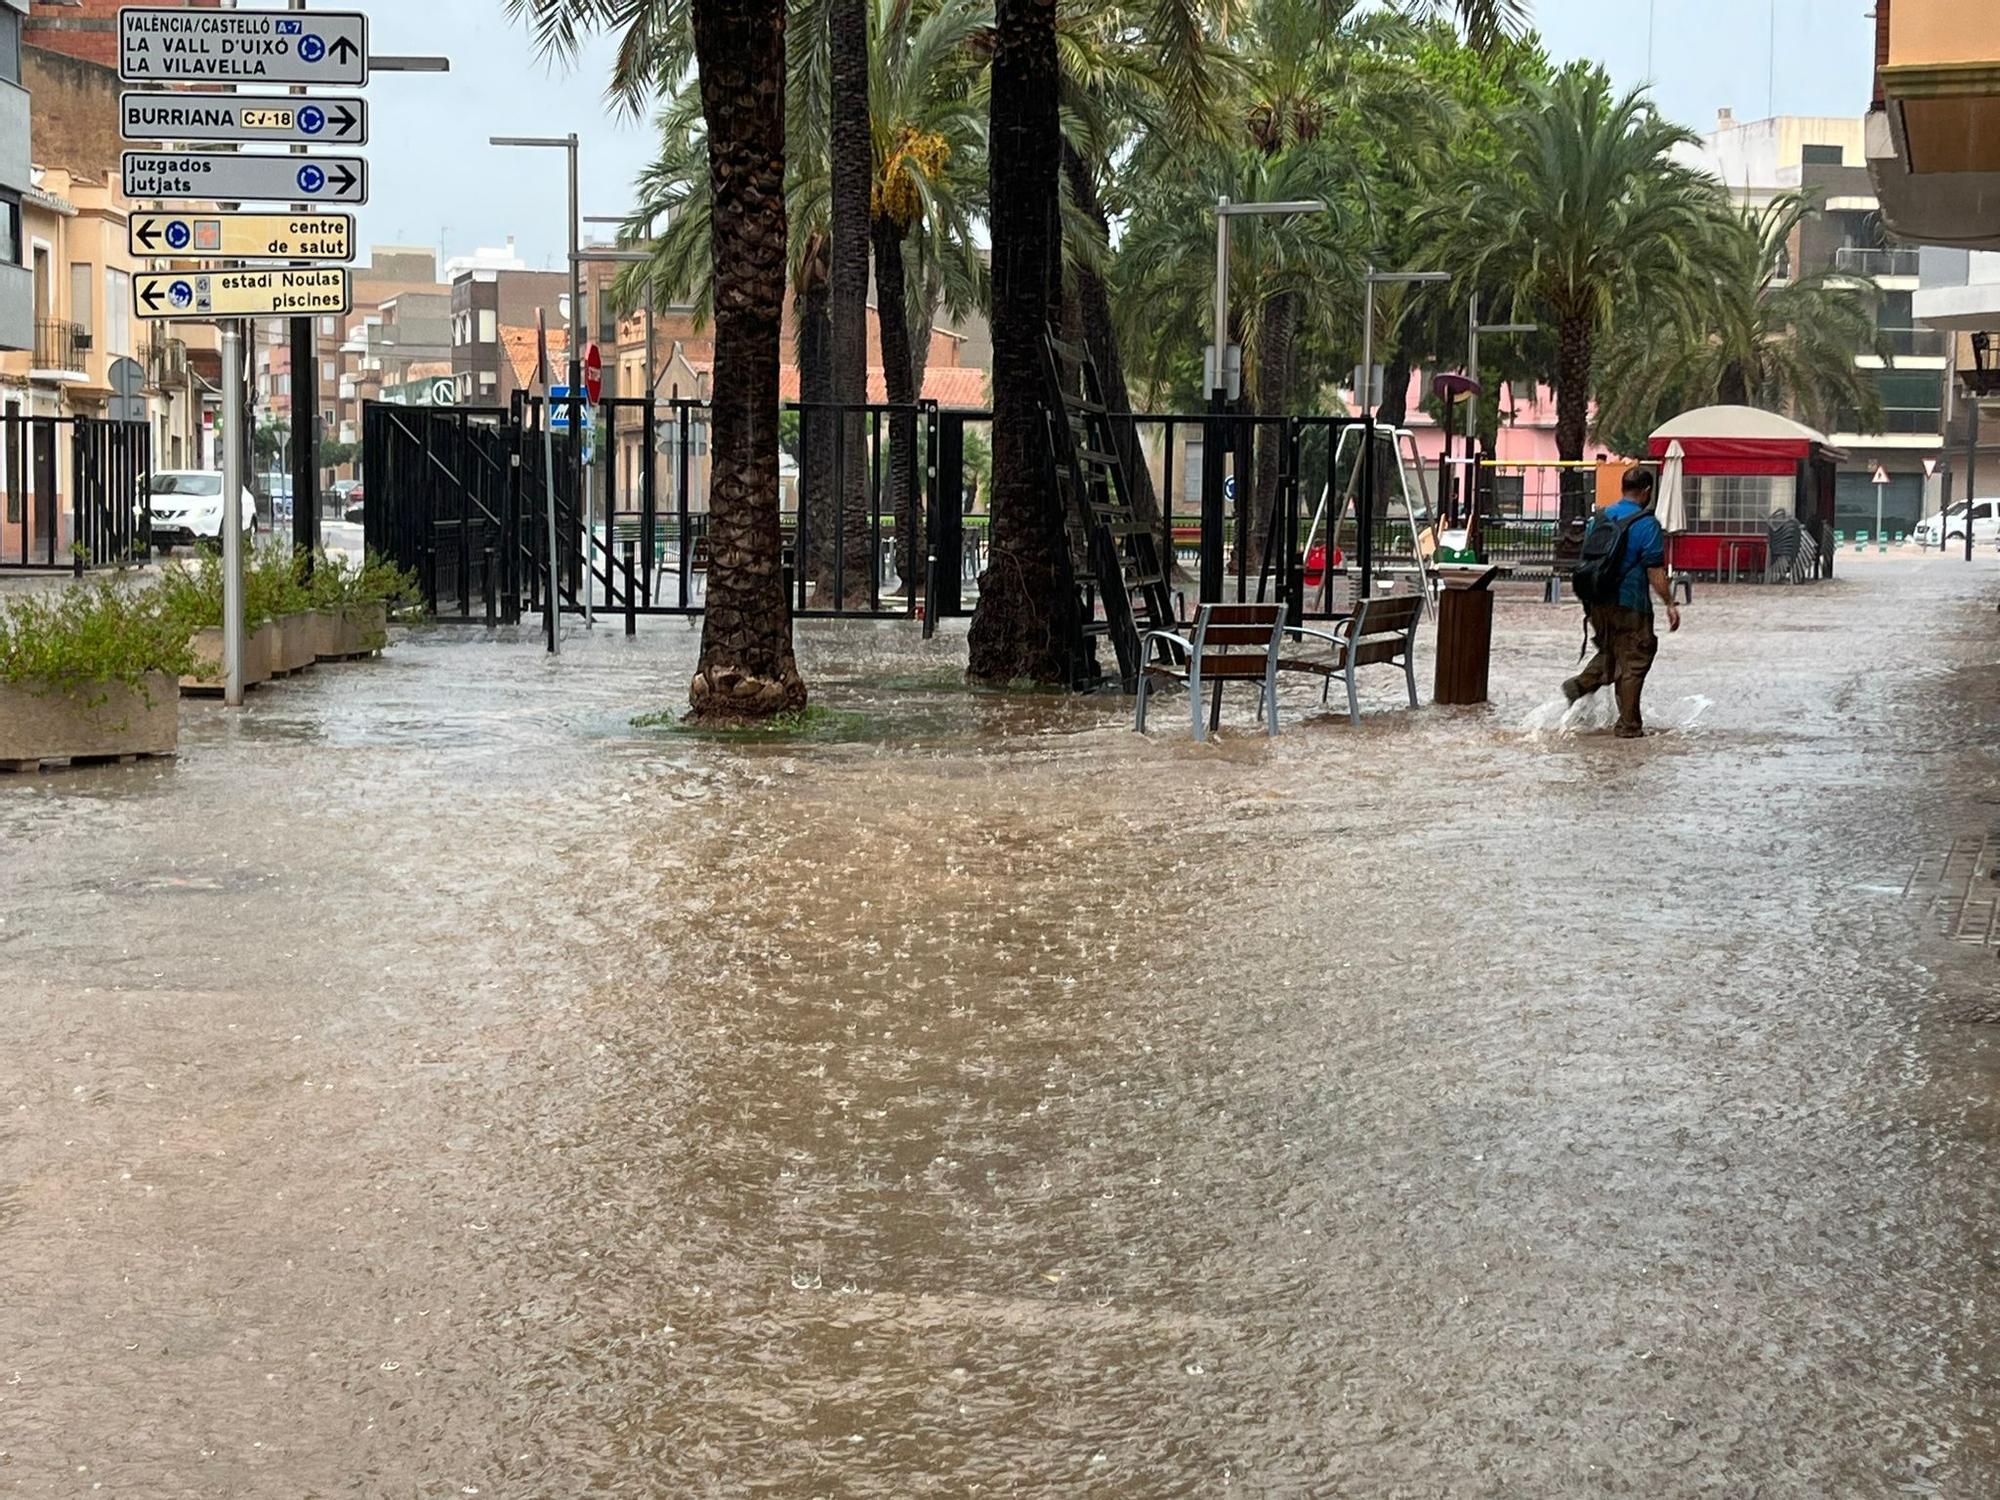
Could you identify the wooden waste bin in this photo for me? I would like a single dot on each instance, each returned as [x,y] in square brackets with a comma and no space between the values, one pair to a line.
[1465,634]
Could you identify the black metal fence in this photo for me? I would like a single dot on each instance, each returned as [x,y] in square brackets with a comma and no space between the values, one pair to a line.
[882,508]
[75,492]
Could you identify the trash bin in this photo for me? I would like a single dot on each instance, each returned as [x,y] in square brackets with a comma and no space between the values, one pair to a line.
[1465,634]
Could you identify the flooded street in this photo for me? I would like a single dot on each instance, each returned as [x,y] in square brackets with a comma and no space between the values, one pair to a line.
[432,1085]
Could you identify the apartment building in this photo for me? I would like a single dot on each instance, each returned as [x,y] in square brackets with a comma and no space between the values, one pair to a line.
[17,307]
[484,301]
[1826,159]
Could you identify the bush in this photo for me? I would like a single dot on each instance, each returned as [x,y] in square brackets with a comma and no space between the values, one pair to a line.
[92,634]
[336,581]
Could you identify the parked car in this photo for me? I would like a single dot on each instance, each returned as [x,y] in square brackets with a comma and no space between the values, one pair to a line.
[354,511]
[1948,530]
[186,507]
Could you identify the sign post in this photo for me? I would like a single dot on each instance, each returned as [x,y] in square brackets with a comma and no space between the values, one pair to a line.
[549,610]
[1880,480]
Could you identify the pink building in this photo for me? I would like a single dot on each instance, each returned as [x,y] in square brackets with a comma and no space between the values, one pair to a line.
[1527,437]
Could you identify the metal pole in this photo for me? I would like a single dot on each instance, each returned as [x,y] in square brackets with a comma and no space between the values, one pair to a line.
[1971,474]
[1365,397]
[1472,370]
[305,415]
[550,604]
[1219,380]
[232,513]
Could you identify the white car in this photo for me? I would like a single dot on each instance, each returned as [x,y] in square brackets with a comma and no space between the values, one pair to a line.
[186,506]
[1948,530]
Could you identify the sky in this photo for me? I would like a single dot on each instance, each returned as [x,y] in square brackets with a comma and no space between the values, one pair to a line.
[435,181]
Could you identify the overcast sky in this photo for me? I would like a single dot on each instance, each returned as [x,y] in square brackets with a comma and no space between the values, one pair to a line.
[435,181]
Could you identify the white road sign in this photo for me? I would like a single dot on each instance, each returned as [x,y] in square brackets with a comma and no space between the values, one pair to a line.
[231,177]
[158,44]
[239,294]
[247,118]
[199,236]
[1880,476]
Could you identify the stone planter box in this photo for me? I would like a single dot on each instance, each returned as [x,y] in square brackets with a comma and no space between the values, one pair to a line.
[99,721]
[295,643]
[207,648]
[364,629]
[323,629]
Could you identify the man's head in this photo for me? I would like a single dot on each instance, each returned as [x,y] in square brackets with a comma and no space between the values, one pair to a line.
[1637,486]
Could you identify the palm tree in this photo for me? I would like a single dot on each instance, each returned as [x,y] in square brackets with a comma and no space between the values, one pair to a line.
[1026,617]
[1589,213]
[851,152]
[1764,338]
[929,136]
[746,668]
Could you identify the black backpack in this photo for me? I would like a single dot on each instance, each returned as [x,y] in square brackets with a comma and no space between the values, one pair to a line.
[1601,569]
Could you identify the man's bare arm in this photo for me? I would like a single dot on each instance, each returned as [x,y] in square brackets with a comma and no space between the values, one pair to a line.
[1657,577]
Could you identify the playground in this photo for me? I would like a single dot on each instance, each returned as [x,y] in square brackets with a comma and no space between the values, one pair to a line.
[963,1091]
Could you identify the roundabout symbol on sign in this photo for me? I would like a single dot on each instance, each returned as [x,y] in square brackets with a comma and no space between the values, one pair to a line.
[312,119]
[178,235]
[311,179]
[181,294]
[311,48]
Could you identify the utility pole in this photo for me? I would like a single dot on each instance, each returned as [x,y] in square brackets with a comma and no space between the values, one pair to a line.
[305,415]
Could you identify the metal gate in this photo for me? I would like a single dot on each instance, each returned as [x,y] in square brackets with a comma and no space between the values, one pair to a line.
[99,517]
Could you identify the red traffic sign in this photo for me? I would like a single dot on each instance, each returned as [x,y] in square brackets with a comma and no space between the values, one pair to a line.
[593,374]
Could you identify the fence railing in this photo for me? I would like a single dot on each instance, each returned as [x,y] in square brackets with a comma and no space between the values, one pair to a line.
[1857,260]
[59,345]
[74,492]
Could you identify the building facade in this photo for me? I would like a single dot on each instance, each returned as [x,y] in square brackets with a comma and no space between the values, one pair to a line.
[17,306]
[1907,363]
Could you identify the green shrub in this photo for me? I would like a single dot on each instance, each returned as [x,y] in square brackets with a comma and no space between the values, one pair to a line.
[337,581]
[92,633]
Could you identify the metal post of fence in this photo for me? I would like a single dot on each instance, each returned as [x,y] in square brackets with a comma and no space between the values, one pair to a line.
[949,541]
[486,579]
[1213,515]
[1364,546]
[631,593]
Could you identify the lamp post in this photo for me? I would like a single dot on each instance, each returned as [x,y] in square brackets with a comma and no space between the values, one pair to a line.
[575,362]
[1369,398]
[1474,328]
[1212,479]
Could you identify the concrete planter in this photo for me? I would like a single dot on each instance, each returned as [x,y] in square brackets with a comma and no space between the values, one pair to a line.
[364,628]
[207,648]
[323,627]
[295,638]
[41,722]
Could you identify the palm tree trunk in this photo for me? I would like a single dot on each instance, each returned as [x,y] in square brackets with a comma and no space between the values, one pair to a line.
[815,351]
[746,668]
[1028,616]
[852,165]
[1573,353]
[1276,359]
[1100,336]
[893,317]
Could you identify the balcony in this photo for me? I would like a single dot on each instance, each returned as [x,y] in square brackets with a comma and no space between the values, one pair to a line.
[1909,343]
[60,348]
[1853,260]
[166,363]
[1933,136]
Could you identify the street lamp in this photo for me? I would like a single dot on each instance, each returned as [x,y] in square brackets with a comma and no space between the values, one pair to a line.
[562,143]
[1371,279]
[1224,212]
[1212,478]
[1473,330]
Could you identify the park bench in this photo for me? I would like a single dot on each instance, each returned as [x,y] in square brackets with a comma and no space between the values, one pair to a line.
[1229,643]
[1381,632]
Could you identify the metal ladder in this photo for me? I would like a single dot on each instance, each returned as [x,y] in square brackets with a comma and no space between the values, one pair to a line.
[1108,544]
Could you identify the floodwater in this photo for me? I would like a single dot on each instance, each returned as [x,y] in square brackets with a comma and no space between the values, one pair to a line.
[430,1085]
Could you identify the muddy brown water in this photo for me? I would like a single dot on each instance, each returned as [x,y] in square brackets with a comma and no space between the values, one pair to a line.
[430,1085]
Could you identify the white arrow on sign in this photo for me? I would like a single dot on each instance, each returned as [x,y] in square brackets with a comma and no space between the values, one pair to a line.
[339,121]
[160,44]
[238,294]
[230,177]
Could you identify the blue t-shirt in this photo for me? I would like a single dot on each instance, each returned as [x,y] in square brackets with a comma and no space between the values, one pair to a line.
[1645,547]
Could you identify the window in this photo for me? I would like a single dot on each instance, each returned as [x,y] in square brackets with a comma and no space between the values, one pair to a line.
[10,44]
[326,327]
[1737,502]
[1823,156]
[118,312]
[10,228]
[486,382]
[81,286]
[326,371]
[489,326]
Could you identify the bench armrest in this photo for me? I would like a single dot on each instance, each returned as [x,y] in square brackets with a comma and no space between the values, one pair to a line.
[1146,644]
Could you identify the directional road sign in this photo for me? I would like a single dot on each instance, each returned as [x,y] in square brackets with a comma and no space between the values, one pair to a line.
[230,177]
[239,294]
[339,121]
[172,44]
[559,404]
[194,236]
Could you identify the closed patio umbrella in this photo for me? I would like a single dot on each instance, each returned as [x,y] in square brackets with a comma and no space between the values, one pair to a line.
[1670,503]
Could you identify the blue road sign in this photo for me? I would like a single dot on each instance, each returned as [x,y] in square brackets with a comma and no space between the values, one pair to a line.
[312,119]
[559,411]
[311,179]
[178,234]
[312,49]
[181,294]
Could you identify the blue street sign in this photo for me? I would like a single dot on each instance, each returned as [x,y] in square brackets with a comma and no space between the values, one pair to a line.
[559,411]
[311,179]
[178,234]
[312,49]
[312,119]
[180,294]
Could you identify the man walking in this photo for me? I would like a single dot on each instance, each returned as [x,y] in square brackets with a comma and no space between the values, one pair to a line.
[1624,565]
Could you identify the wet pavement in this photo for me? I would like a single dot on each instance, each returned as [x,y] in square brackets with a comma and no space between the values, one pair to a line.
[431,1085]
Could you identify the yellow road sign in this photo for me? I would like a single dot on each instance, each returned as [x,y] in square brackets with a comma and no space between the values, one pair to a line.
[191,236]
[239,294]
